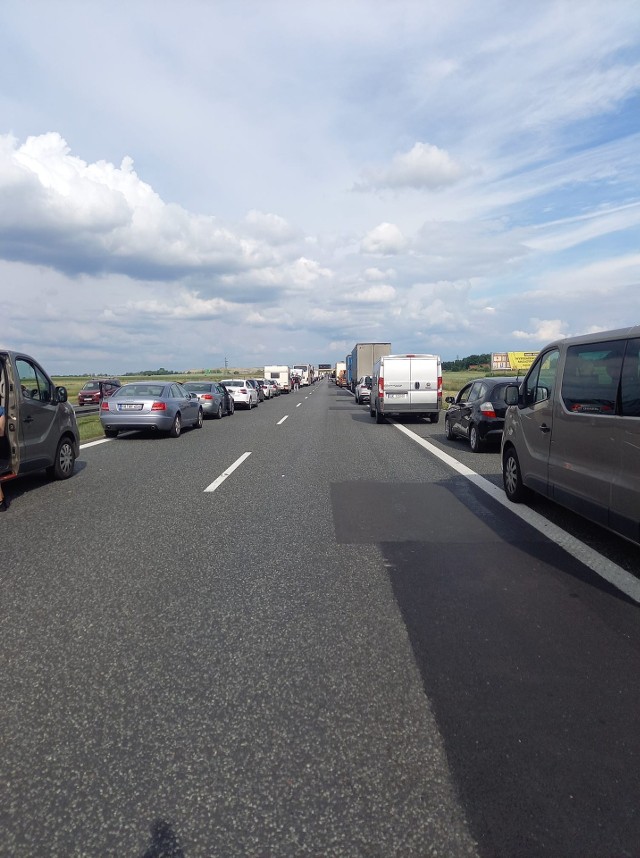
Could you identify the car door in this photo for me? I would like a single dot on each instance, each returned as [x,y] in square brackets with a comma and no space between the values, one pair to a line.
[458,408]
[38,412]
[536,421]
[188,407]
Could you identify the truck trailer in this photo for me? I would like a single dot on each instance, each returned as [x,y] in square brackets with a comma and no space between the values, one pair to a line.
[363,358]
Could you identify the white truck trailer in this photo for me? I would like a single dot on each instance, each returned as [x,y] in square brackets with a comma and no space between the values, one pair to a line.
[406,384]
[281,376]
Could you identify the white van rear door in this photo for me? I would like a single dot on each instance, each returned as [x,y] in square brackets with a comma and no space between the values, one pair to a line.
[397,381]
[424,382]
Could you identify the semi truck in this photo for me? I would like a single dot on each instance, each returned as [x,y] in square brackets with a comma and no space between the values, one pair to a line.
[363,358]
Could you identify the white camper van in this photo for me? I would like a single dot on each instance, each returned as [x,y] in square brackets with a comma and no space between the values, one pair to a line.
[279,374]
[406,384]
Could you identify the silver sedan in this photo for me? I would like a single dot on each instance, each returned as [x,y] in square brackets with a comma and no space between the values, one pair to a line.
[154,406]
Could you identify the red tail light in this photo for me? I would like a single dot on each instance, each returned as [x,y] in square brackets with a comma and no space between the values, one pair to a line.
[381,386]
[207,396]
[104,406]
[159,406]
[487,409]
[439,389]
[242,390]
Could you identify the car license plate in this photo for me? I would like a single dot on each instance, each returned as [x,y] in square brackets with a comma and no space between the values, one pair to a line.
[395,395]
[130,406]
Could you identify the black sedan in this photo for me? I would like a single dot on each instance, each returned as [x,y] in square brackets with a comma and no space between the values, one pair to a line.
[477,412]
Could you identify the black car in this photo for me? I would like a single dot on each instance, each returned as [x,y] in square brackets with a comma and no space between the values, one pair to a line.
[477,412]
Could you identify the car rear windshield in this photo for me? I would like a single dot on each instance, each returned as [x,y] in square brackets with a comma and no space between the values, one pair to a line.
[131,391]
[198,386]
[92,385]
[235,383]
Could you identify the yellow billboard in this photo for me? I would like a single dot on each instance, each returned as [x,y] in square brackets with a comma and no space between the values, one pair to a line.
[512,361]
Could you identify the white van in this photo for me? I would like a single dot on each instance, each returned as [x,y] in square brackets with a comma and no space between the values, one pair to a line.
[572,431]
[406,384]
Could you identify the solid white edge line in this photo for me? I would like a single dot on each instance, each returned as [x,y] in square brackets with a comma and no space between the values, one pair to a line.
[282,421]
[223,476]
[595,561]
[95,443]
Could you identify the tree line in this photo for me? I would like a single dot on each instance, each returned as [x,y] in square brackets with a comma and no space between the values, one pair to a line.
[466,363]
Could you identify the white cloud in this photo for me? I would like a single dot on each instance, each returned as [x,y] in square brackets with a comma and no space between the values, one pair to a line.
[424,167]
[376,294]
[544,330]
[386,240]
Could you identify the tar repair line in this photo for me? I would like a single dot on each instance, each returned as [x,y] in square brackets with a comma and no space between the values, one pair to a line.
[214,485]
[601,565]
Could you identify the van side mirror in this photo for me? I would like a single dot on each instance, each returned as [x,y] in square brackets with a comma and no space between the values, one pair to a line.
[511,394]
[61,394]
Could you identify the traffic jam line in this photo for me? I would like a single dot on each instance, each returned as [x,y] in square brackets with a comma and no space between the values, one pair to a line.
[591,558]
[223,476]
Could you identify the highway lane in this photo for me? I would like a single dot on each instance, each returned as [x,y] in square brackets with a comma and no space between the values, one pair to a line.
[344,649]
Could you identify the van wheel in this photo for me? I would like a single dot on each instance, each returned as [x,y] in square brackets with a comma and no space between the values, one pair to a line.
[379,416]
[372,413]
[474,439]
[435,418]
[514,488]
[64,462]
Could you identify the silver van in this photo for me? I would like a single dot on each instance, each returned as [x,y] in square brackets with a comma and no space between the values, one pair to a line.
[41,431]
[406,384]
[572,431]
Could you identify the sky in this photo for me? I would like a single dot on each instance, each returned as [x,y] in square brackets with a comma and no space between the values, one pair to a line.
[189,183]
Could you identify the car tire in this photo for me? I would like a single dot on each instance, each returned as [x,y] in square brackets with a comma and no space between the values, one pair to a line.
[514,488]
[448,430]
[476,444]
[200,419]
[219,412]
[64,461]
[250,405]
[232,408]
[110,433]
[357,399]
[176,427]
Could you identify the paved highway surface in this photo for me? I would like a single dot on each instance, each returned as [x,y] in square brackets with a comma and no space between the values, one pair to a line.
[346,647]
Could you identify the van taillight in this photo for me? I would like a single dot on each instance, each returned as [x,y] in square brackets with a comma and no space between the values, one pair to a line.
[381,387]
[439,388]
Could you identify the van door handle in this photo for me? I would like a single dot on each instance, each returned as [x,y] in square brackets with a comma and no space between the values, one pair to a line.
[545,428]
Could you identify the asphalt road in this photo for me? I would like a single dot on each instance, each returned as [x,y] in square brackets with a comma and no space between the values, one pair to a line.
[346,648]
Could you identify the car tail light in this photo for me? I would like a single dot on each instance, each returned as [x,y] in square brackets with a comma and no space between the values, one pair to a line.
[159,406]
[487,409]
[104,406]
[206,396]
[243,390]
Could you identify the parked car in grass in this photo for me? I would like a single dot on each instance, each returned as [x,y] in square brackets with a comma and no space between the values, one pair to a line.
[243,393]
[477,412]
[98,388]
[153,406]
[215,399]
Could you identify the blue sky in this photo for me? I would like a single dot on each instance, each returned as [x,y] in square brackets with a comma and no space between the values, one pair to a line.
[272,182]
